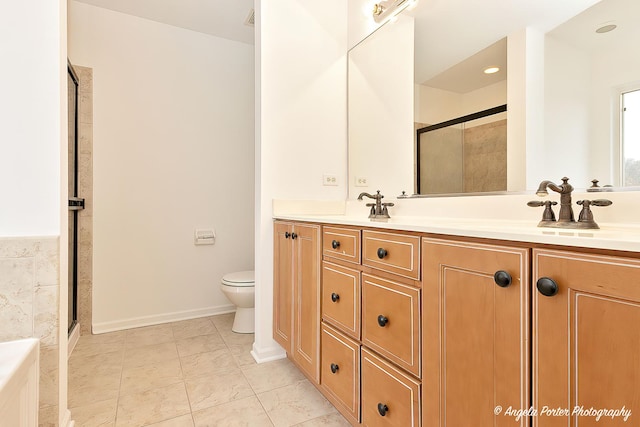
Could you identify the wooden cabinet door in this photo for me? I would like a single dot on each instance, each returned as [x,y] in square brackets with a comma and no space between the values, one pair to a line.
[306,294]
[283,285]
[586,338]
[475,334]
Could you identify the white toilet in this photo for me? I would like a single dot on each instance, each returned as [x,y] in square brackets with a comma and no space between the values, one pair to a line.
[239,288]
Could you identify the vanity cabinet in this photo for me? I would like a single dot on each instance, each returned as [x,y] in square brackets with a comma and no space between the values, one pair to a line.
[408,329]
[370,364]
[475,322]
[586,339]
[296,293]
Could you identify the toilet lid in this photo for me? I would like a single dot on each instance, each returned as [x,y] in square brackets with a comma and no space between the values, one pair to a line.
[239,278]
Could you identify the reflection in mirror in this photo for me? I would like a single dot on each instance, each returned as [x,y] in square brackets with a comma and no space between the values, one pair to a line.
[464,155]
[587,72]
[462,125]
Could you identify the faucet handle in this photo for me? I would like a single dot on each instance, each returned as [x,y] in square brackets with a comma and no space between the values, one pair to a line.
[599,202]
[585,219]
[547,215]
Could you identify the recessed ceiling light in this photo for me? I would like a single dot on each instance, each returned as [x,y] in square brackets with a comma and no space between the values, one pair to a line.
[606,28]
[491,70]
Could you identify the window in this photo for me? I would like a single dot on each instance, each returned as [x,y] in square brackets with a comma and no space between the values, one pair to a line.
[630,133]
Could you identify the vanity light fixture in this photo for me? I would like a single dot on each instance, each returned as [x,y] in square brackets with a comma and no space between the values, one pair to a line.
[387,9]
[491,70]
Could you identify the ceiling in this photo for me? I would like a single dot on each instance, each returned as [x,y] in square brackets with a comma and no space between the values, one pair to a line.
[220,18]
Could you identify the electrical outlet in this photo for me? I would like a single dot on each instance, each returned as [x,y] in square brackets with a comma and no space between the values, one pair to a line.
[329,179]
[361,181]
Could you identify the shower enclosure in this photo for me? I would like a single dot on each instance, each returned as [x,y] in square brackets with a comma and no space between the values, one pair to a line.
[463,155]
[75,203]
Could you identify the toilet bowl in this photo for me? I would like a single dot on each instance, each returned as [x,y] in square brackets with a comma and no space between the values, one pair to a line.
[239,288]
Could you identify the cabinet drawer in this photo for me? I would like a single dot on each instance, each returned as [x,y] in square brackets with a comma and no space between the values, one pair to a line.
[341,298]
[341,243]
[389,396]
[391,321]
[392,252]
[340,372]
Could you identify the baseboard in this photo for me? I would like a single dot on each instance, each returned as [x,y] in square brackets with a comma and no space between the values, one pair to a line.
[67,421]
[262,355]
[73,339]
[156,319]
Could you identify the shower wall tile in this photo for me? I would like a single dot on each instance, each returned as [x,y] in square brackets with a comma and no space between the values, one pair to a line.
[45,314]
[47,263]
[85,187]
[29,307]
[16,297]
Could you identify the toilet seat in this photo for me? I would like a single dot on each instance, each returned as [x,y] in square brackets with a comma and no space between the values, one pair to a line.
[239,279]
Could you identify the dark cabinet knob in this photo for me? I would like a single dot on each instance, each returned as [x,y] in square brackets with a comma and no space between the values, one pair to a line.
[335,244]
[334,368]
[382,253]
[382,409]
[502,278]
[547,287]
[287,234]
[382,321]
[335,297]
[294,236]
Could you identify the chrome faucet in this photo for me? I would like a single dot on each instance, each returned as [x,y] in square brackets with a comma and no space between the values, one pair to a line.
[565,189]
[378,209]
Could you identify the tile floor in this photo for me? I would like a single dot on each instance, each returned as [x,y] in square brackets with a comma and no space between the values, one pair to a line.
[190,373]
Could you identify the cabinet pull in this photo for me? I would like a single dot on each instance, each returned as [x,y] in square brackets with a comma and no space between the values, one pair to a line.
[335,244]
[382,321]
[334,368]
[547,287]
[294,236]
[382,253]
[287,234]
[502,278]
[335,297]
[382,409]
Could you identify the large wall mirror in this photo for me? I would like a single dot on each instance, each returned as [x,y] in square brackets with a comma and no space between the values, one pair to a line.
[426,69]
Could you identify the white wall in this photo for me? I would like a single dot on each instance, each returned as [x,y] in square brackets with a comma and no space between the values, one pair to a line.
[433,105]
[380,99]
[173,151]
[567,113]
[33,164]
[301,124]
[30,117]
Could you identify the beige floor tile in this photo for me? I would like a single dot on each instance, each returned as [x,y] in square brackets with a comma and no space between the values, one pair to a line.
[149,335]
[96,414]
[232,338]
[242,354]
[193,327]
[150,376]
[183,421]
[206,364]
[267,376]
[152,406]
[223,322]
[296,403]
[86,349]
[239,413]
[200,344]
[104,364]
[153,353]
[92,389]
[109,337]
[222,388]
[332,420]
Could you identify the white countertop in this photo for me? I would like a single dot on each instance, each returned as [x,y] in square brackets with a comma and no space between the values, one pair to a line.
[623,237]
